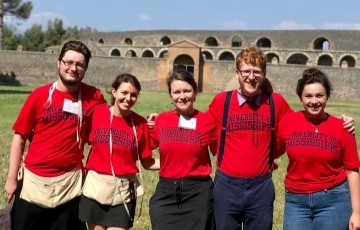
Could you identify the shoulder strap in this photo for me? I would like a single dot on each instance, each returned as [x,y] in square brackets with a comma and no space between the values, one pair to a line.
[272,135]
[223,127]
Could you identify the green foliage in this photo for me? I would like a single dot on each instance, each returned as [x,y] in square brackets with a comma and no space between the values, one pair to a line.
[18,9]
[54,34]
[11,40]
[71,33]
[14,8]
[87,30]
[33,38]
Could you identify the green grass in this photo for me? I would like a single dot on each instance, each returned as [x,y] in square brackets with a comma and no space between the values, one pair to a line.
[12,98]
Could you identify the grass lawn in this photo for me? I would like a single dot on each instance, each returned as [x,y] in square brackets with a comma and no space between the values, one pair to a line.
[12,98]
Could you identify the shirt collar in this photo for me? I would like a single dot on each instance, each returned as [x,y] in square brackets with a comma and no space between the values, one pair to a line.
[243,98]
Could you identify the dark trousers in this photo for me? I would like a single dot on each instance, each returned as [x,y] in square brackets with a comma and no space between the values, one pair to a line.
[28,216]
[243,203]
[185,204]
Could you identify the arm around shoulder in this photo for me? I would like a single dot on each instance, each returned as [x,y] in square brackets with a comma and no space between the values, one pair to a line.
[150,163]
[349,123]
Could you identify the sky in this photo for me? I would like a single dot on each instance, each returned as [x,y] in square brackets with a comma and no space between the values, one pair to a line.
[132,15]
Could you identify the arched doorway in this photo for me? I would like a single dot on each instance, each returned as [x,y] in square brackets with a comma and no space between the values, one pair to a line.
[184,62]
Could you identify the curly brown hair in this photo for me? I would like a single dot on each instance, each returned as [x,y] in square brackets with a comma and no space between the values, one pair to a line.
[252,55]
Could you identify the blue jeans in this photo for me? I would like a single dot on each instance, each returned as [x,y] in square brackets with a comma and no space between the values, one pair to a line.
[243,203]
[325,210]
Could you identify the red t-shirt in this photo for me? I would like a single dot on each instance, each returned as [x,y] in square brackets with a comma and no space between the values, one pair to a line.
[246,151]
[317,161]
[124,150]
[184,152]
[54,149]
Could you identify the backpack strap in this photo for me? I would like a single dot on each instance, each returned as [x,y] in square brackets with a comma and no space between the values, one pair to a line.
[272,135]
[223,128]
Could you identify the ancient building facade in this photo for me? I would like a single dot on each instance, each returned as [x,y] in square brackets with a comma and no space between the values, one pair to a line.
[196,50]
[210,56]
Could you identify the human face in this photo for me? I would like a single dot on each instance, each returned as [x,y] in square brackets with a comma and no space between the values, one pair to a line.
[250,79]
[72,74]
[314,98]
[125,97]
[183,96]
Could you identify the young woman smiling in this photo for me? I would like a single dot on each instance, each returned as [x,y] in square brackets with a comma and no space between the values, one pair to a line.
[322,183]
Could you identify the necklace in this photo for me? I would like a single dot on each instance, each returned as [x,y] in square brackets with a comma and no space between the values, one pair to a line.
[316,129]
[318,122]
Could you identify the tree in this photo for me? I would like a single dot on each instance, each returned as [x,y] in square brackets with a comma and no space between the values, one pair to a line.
[71,33]
[11,40]
[15,8]
[33,39]
[54,34]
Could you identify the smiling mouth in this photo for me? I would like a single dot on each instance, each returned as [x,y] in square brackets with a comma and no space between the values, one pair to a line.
[75,75]
[253,84]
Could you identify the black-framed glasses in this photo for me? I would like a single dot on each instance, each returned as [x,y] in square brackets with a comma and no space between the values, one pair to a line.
[247,73]
[80,66]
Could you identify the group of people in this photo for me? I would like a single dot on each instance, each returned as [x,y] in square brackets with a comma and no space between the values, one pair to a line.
[246,129]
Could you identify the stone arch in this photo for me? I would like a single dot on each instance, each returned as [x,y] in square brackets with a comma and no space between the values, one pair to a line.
[325,60]
[263,42]
[128,41]
[272,58]
[227,56]
[207,55]
[130,53]
[147,54]
[163,53]
[101,41]
[211,41]
[115,53]
[321,43]
[184,62]
[236,41]
[297,59]
[347,61]
[164,41]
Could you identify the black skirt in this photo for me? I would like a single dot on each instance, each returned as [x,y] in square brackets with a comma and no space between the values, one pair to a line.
[92,212]
[184,204]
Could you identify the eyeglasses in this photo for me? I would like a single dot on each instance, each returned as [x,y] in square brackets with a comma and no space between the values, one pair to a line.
[80,66]
[247,73]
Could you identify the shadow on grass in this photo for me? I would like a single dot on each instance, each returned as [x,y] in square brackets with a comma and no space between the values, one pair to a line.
[9,79]
[10,91]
